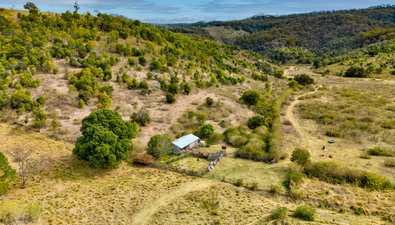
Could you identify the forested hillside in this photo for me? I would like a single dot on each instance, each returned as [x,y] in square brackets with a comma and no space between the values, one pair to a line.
[305,36]
[56,68]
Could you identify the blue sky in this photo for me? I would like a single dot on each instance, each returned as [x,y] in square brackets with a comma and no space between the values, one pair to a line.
[188,11]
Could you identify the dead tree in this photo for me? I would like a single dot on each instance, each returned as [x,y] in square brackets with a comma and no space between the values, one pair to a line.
[27,165]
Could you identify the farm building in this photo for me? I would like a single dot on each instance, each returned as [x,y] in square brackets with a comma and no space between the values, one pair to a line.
[185,142]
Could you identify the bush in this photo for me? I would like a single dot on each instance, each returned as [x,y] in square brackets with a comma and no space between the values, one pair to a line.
[206,130]
[201,118]
[296,193]
[81,103]
[254,186]
[215,138]
[144,159]
[173,89]
[159,146]
[251,97]
[142,117]
[356,72]
[389,163]
[279,213]
[105,139]
[294,178]
[333,172]
[304,79]
[257,121]
[274,189]
[254,149]
[170,98]
[209,102]
[34,211]
[380,151]
[239,182]
[301,157]
[389,125]
[305,213]
[331,133]
[236,139]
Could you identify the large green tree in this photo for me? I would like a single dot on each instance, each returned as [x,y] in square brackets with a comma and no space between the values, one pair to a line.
[159,146]
[105,139]
[7,174]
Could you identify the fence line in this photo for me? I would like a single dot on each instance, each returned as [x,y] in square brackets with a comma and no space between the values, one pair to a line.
[213,156]
[180,170]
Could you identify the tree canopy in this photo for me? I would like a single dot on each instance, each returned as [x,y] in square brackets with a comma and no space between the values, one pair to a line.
[159,146]
[105,139]
[301,157]
[251,97]
[304,79]
[7,174]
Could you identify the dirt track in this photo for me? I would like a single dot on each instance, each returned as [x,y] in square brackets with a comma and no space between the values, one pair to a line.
[143,216]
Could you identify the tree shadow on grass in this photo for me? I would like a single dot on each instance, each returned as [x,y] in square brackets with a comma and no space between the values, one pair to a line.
[69,168]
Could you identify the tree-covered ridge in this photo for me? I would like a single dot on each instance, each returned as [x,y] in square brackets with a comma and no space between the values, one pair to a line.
[102,48]
[327,33]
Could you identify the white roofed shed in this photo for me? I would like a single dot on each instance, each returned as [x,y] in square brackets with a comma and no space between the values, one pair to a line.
[185,142]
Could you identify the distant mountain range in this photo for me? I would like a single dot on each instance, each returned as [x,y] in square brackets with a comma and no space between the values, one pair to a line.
[326,33]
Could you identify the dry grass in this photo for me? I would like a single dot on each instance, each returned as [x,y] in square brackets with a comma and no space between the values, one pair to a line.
[192,163]
[350,101]
[69,192]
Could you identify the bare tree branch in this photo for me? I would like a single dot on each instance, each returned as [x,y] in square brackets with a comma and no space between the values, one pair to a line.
[27,165]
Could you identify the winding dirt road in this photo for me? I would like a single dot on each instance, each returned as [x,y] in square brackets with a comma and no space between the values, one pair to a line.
[304,136]
[144,216]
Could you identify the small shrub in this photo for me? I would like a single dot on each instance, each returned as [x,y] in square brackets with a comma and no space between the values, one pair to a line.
[206,130]
[331,133]
[294,178]
[254,186]
[367,119]
[236,140]
[209,102]
[251,97]
[356,72]
[274,189]
[389,125]
[287,122]
[212,204]
[304,79]
[279,213]
[257,121]
[365,155]
[301,157]
[215,138]
[380,151]
[142,117]
[357,211]
[224,124]
[34,211]
[305,213]
[144,159]
[239,182]
[296,193]
[170,98]
[389,163]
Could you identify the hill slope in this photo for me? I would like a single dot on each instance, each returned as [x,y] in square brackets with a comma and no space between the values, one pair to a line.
[328,33]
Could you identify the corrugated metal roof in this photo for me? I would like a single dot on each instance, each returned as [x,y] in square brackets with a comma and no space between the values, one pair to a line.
[185,140]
